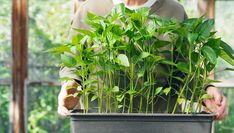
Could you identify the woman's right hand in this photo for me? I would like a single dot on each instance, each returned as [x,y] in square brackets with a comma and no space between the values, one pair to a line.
[66,99]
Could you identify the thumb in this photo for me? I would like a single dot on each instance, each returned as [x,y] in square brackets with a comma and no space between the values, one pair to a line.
[211,107]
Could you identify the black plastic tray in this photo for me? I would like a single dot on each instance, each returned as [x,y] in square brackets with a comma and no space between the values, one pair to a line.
[141,123]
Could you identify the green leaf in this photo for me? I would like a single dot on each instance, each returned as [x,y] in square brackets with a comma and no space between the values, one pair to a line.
[89,81]
[138,47]
[143,10]
[214,44]
[192,37]
[161,43]
[60,49]
[158,90]
[131,92]
[123,60]
[180,101]
[115,89]
[205,28]
[68,61]
[85,32]
[229,69]
[227,49]
[168,62]
[120,106]
[167,90]
[120,98]
[182,67]
[94,98]
[157,58]
[145,54]
[178,78]
[209,81]
[141,72]
[210,67]
[210,54]
[226,57]
[206,96]
[151,27]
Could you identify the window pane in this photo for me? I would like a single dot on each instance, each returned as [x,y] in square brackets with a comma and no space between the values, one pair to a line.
[224,17]
[190,7]
[227,126]
[5,39]
[49,22]
[42,111]
[4,106]
[5,61]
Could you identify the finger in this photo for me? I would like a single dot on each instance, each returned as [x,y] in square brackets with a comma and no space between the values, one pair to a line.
[223,115]
[223,107]
[218,97]
[211,106]
[62,111]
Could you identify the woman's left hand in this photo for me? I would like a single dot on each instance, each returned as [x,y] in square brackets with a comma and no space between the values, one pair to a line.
[217,104]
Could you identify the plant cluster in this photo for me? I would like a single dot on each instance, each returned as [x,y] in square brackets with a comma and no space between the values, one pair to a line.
[127,56]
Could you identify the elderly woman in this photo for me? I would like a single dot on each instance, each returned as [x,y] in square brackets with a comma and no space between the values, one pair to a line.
[164,8]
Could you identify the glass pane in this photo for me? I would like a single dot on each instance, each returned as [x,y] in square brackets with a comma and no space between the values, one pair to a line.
[4,107]
[42,111]
[5,61]
[227,126]
[49,22]
[190,7]
[5,39]
[224,16]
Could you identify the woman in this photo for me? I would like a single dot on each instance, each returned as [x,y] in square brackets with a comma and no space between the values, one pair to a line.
[164,8]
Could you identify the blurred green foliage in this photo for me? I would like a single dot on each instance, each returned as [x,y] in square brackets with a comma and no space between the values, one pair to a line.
[42,111]
[49,22]
[4,105]
[227,126]
[5,38]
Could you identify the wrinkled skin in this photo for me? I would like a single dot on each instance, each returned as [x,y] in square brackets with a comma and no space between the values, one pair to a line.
[217,104]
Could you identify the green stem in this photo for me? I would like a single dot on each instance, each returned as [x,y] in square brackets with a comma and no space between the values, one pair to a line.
[195,89]
[110,87]
[181,92]
[171,75]
[132,66]
[148,94]
[140,105]
[152,104]
[124,104]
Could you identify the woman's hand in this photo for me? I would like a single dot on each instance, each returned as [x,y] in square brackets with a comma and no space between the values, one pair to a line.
[218,104]
[66,99]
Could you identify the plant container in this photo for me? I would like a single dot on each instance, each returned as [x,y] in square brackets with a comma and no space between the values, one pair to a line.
[141,123]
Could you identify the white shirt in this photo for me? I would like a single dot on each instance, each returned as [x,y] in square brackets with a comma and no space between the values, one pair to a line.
[149,3]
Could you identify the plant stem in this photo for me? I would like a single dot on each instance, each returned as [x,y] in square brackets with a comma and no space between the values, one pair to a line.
[148,93]
[197,75]
[132,66]
[110,92]
[181,92]
[171,75]
[124,104]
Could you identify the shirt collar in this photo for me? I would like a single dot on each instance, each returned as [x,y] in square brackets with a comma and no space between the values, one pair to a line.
[149,3]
